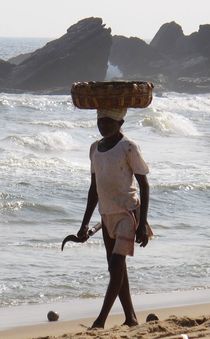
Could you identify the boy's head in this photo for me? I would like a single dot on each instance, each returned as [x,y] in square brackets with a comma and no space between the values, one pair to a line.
[110,121]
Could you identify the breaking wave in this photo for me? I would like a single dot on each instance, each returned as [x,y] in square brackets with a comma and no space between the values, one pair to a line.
[45,141]
[168,123]
[65,124]
[36,102]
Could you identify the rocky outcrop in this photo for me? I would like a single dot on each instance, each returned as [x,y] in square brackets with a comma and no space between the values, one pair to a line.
[17,60]
[79,55]
[172,60]
[167,37]
[5,69]
[134,56]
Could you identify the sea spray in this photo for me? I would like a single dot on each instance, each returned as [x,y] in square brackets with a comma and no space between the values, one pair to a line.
[168,123]
[65,124]
[45,141]
[113,72]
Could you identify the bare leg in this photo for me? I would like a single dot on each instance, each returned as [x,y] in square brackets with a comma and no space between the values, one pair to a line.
[124,291]
[116,269]
[125,299]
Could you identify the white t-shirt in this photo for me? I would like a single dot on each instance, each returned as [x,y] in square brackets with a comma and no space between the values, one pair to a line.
[114,170]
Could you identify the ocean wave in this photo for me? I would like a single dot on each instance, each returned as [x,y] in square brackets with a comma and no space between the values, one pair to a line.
[29,163]
[181,186]
[12,203]
[192,106]
[43,244]
[44,208]
[65,124]
[45,141]
[36,102]
[11,206]
[168,123]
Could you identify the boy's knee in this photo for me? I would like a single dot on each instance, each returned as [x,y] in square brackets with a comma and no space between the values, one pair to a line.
[116,262]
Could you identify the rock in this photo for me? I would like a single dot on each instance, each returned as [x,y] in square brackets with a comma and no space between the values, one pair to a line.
[52,316]
[133,56]
[166,38]
[5,68]
[79,55]
[204,40]
[195,44]
[172,61]
[19,58]
[152,317]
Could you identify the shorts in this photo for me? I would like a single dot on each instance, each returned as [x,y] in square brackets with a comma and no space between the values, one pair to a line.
[122,227]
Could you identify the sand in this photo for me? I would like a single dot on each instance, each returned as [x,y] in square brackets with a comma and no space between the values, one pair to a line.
[187,320]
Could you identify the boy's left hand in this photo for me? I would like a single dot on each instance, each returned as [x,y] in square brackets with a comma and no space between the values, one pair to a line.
[142,236]
[83,233]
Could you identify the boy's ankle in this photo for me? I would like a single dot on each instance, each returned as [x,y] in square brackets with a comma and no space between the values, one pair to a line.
[131,322]
[97,324]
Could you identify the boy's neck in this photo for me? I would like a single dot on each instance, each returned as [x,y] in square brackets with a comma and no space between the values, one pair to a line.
[113,138]
[107,143]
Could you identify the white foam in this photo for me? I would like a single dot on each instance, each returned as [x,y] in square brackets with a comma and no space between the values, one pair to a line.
[11,205]
[170,123]
[46,141]
[184,103]
[113,72]
[36,102]
[65,123]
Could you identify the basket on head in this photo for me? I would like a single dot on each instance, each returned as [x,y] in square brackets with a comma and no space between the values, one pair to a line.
[114,94]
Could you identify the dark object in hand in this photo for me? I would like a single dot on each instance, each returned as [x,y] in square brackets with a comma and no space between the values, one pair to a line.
[75,238]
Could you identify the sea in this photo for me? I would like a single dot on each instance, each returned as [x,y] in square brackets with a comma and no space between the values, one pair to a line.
[44,181]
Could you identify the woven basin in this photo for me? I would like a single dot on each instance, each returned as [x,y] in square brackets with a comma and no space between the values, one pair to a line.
[115,94]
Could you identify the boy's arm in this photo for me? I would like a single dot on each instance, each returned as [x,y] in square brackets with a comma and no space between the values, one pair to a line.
[92,201]
[141,233]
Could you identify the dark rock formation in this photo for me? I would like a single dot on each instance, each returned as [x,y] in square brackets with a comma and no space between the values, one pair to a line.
[79,55]
[5,69]
[198,43]
[134,56]
[19,58]
[172,60]
[166,38]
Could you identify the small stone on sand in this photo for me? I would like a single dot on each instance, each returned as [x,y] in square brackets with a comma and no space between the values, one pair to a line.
[52,316]
[151,317]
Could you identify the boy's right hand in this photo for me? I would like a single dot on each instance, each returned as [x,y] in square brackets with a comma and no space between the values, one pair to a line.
[142,236]
[83,233]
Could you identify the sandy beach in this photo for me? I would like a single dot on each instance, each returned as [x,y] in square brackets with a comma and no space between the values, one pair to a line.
[180,314]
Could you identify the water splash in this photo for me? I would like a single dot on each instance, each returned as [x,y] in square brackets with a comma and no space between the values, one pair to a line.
[169,123]
[113,72]
[45,141]
[65,124]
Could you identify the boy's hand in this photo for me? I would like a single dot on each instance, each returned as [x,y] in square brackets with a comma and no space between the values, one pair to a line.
[83,233]
[142,236]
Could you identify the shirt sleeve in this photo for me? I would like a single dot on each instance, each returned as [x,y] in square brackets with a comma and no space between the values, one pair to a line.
[135,159]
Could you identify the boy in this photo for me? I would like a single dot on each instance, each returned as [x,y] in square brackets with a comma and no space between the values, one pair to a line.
[115,162]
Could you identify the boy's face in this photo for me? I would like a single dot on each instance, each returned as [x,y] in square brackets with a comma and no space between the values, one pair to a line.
[108,127]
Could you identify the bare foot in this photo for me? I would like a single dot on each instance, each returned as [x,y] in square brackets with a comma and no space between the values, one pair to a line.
[96,324]
[130,322]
